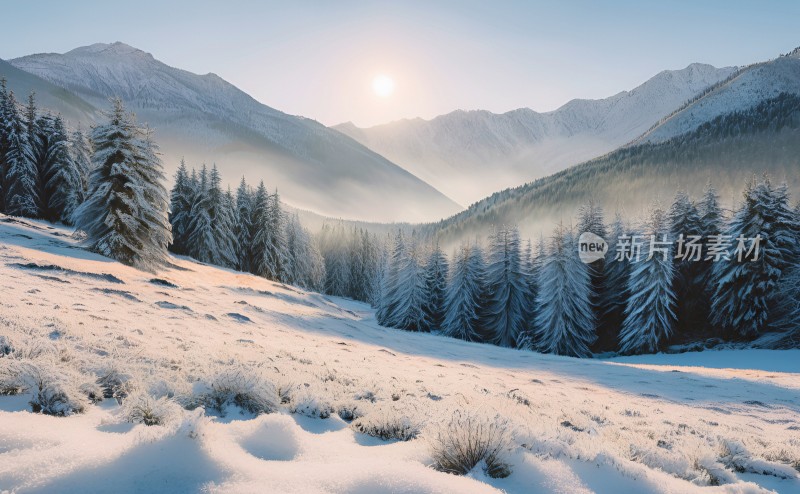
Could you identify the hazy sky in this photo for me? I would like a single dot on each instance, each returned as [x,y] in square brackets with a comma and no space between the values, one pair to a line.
[318,58]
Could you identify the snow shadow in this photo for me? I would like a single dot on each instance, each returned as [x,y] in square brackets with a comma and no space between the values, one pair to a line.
[173,464]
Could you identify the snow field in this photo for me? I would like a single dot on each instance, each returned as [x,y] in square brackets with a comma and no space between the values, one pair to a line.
[259,387]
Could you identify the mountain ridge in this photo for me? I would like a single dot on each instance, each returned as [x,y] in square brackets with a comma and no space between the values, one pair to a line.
[206,119]
[506,149]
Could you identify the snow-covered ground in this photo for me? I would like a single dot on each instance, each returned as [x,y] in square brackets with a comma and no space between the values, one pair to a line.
[638,424]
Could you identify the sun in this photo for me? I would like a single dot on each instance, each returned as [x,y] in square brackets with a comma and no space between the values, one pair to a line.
[383,85]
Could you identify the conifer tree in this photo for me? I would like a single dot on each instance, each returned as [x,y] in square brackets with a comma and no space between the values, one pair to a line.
[465,295]
[565,321]
[180,210]
[507,288]
[533,268]
[20,185]
[126,214]
[5,126]
[81,154]
[244,226]
[692,305]
[650,310]
[746,287]
[591,218]
[59,178]
[391,289]
[436,271]
[614,292]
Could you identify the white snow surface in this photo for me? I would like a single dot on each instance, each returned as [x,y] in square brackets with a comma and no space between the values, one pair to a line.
[641,424]
[751,86]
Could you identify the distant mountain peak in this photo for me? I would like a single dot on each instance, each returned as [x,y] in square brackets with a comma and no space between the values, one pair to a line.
[116,48]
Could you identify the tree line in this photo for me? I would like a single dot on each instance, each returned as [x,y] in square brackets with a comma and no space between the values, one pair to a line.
[508,293]
[44,168]
[547,300]
[249,231]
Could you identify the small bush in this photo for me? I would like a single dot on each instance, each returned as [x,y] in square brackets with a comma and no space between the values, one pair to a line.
[243,388]
[93,391]
[141,408]
[55,391]
[349,411]
[387,422]
[5,346]
[469,439]
[310,404]
[115,383]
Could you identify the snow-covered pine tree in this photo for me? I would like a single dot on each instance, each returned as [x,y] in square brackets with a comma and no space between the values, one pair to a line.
[243,228]
[278,254]
[201,242]
[712,223]
[650,311]
[5,120]
[81,152]
[59,177]
[210,234]
[692,304]
[390,289]
[229,204]
[402,305]
[298,247]
[409,313]
[564,321]
[746,291]
[532,262]
[155,212]
[180,209]
[126,214]
[614,293]
[464,295]
[20,184]
[591,218]
[220,210]
[507,288]
[337,268]
[436,272]
[356,263]
[381,270]
[269,252]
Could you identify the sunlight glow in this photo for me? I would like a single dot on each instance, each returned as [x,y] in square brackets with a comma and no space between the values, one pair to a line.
[383,86]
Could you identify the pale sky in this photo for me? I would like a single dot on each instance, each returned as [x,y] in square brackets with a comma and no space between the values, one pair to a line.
[319,58]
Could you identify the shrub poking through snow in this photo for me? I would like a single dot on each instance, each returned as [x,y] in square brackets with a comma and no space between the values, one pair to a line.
[349,411]
[469,439]
[141,408]
[115,383]
[54,390]
[305,402]
[388,422]
[93,391]
[244,388]
[5,346]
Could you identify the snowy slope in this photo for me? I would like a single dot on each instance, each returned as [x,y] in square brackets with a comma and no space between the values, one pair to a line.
[469,155]
[579,426]
[752,85]
[48,95]
[206,119]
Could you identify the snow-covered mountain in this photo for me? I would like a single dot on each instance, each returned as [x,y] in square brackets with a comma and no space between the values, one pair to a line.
[48,95]
[470,154]
[206,119]
[744,89]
